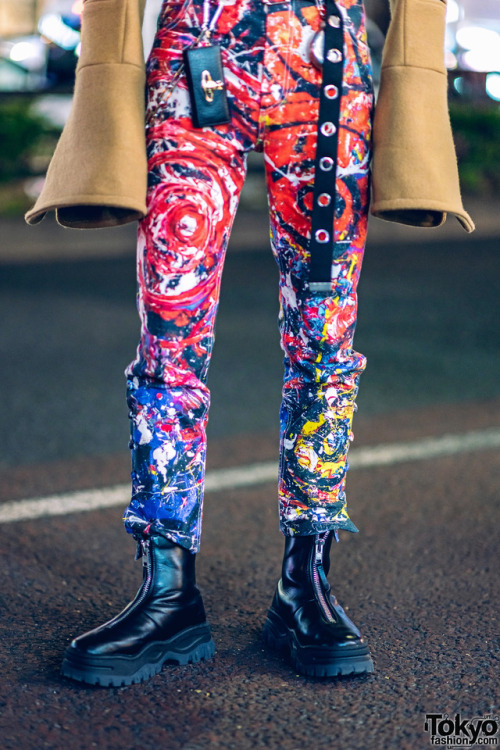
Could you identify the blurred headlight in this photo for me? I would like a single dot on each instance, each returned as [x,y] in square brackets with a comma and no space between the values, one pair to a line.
[28,54]
[52,27]
[481,60]
[452,11]
[473,37]
[493,86]
[482,49]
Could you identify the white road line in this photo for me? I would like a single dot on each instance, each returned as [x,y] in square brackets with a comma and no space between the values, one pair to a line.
[254,474]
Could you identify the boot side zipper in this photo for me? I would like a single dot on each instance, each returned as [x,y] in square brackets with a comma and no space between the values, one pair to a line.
[147,562]
[317,561]
[146,584]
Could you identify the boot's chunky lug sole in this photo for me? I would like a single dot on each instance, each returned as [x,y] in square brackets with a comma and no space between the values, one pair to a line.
[316,661]
[187,647]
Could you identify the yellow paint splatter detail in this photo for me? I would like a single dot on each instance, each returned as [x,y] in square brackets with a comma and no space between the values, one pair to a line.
[352,266]
[341,515]
[310,427]
[330,469]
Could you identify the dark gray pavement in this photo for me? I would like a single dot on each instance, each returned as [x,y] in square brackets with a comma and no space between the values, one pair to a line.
[421,579]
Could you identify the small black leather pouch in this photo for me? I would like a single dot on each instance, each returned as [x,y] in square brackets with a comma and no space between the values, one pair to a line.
[205,79]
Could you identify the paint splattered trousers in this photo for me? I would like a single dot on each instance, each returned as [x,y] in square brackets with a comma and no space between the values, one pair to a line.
[195,178]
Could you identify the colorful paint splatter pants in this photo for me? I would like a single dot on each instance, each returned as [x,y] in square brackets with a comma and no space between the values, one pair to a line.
[195,178]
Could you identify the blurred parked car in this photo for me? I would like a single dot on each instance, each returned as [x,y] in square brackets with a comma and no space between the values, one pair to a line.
[47,59]
[473,48]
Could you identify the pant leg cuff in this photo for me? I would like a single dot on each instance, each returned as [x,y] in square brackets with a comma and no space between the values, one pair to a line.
[310,526]
[138,528]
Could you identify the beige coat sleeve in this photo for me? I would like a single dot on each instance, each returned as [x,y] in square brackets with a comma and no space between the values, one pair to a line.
[414,168]
[97,176]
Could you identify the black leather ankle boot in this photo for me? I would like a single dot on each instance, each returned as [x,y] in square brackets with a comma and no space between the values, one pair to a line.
[165,622]
[306,621]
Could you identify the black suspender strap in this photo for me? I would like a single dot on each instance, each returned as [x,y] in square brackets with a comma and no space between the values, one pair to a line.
[322,244]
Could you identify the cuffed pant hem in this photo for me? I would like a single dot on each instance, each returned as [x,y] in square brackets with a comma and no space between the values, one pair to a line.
[139,528]
[310,527]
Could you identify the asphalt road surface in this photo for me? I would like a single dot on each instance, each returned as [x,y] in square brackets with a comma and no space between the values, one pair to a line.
[420,580]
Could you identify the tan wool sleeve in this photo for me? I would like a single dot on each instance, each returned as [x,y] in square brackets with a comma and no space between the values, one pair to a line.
[98,174]
[414,169]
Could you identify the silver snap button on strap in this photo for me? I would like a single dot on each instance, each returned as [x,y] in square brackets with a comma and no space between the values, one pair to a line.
[322,236]
[324,199]
[326,164]
[334,55]
[331,91]
[328,129]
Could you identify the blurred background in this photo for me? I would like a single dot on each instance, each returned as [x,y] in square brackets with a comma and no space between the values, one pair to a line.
[40,44]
